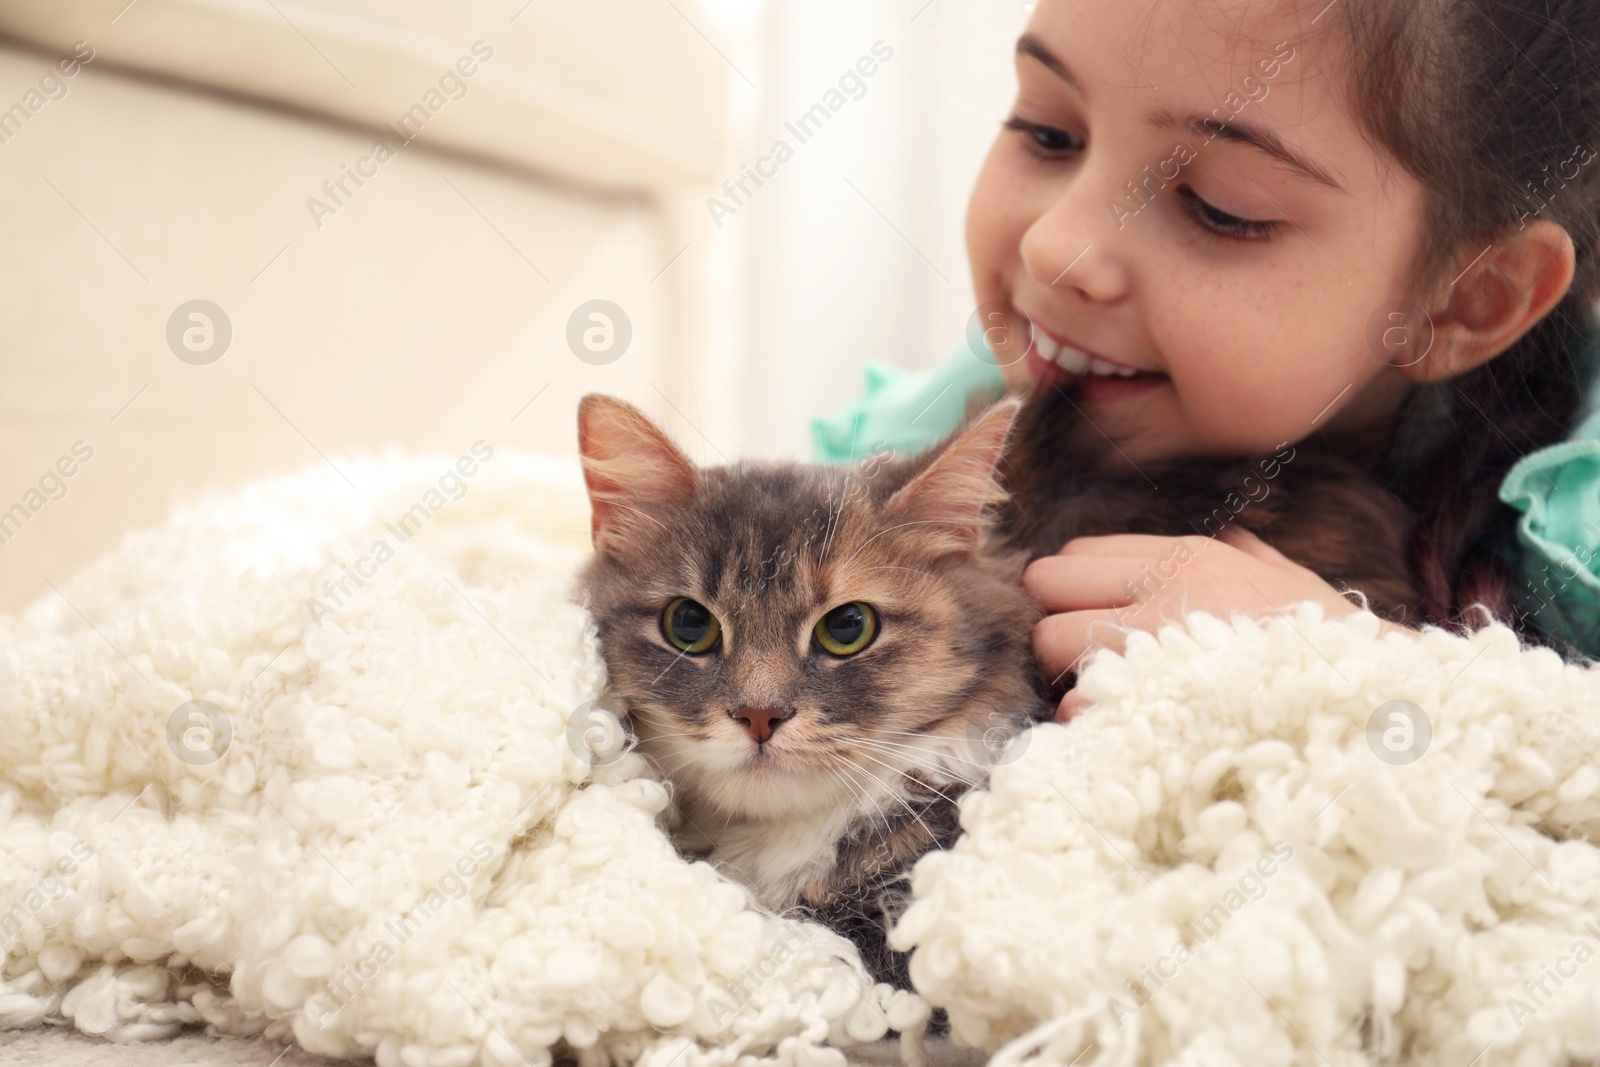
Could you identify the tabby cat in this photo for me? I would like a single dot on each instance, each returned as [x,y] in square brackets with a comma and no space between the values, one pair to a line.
[822,659]
[819,658]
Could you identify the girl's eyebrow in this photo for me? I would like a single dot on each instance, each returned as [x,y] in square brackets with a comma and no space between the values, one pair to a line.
[1030,45]
[1263,140]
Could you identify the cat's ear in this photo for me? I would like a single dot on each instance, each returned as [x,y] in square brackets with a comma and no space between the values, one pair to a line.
[949,497]
[630,467]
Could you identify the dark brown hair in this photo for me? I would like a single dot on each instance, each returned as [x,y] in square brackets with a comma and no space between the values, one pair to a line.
[1494,106]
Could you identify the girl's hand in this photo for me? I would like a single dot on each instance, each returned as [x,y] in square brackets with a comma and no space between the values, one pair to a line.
[1097,586]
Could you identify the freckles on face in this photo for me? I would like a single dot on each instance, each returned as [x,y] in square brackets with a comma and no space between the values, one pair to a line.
[1243,382]
[1226,227]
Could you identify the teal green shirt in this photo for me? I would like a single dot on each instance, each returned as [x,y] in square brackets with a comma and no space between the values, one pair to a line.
[1557,489]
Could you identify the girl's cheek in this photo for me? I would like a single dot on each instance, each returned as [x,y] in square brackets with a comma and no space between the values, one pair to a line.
[983,249]
[1223,340]
[999,213]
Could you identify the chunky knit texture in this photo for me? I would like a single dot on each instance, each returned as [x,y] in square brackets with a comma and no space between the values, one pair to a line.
[1212,864]
[405,848]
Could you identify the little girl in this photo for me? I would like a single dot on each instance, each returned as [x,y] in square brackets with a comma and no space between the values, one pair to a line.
[1231,225]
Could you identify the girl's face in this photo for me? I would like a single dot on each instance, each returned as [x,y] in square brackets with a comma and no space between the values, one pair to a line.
[1186,195]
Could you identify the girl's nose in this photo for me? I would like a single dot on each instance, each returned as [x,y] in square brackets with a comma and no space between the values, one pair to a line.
[1079,243]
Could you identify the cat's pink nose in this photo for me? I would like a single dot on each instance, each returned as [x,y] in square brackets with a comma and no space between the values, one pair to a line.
[760,722]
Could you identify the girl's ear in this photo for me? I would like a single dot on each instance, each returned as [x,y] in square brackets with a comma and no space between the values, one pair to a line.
[630,467]
[1497,299]
[949,497]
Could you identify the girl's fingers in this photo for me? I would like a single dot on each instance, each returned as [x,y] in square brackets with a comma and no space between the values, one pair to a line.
[1144,546]
[1074,583]
[1070,705]
[1060,641]
[1250,544]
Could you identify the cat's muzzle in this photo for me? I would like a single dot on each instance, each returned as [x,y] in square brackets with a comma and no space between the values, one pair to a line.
[760,722]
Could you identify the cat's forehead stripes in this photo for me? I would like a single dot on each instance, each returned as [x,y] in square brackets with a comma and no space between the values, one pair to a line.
[770,549]
[759,529]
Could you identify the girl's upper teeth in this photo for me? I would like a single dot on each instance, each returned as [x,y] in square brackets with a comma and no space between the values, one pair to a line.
[1071,359]
[1046,346]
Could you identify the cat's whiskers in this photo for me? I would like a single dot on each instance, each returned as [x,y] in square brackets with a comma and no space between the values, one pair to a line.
[882,738]
[925,735]
[672,752]
[660,733]
[895,793]
[942,758]
[927,760]
[726,822]
[870,806]
[872,799]
[842,760]
[836,776]
[902,800]
[671,772]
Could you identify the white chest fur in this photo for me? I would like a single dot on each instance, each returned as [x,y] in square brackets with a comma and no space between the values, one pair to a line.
[778,852]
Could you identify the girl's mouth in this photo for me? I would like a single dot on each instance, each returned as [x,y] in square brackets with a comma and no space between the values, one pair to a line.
[1051,362]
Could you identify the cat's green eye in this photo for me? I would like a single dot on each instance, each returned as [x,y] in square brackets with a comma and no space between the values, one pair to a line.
[847,629]
[689,625]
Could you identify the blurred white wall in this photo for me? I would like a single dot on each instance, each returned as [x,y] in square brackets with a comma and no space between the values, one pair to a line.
[432,308]
[855,249]
[157,152]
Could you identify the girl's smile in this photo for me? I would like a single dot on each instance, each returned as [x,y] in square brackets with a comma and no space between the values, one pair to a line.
[1054,361]
[1223,231]
[1213,230]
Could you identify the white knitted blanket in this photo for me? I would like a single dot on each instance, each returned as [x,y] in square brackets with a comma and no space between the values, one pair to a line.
[1245,853]
[395,825]
[321,758]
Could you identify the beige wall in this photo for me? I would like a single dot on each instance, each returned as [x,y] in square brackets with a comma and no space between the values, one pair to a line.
[416,316]
[406,318]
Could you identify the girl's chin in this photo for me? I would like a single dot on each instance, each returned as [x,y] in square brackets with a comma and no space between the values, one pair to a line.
[1017,380]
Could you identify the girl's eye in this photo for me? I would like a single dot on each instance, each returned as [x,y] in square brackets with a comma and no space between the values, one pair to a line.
[1047,140]
[1222,223]
[847,629]
[689,625]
